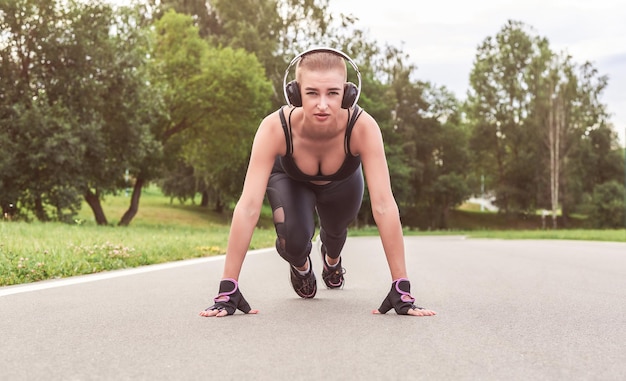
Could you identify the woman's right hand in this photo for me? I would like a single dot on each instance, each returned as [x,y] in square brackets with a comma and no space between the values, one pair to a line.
[228,300]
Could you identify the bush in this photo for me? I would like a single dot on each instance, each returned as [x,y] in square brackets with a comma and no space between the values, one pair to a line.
[607,206]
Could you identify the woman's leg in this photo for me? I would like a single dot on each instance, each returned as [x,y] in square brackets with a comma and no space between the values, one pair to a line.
[338,204]
[293,206]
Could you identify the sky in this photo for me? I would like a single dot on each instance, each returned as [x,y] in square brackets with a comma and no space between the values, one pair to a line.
[441,37]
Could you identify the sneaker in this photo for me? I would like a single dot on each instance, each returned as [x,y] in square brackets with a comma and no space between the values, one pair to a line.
[332,275]
[304,285]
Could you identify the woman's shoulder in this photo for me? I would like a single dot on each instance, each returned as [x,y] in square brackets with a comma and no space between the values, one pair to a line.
[365,132]
[363,119]
[274,118]
[270,133]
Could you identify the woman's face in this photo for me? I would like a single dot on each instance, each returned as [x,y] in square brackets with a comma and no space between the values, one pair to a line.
[322,93]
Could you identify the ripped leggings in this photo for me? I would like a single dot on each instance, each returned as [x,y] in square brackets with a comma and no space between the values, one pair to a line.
[294,204]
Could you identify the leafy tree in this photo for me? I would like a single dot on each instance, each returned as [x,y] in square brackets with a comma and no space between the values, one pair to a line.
[65,106]
[441,152]
[127,107]
[498,106]
[33,127]
[426,144]
[235,92]
[199,10]
[206,91]
[531,113]
[595,159]
[607,206]
[567,111]
[275,32]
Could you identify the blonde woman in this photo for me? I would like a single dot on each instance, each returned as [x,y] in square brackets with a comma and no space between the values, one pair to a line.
[309,158]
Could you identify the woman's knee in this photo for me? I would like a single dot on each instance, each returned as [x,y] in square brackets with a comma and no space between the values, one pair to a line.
[293,243]
[293,251]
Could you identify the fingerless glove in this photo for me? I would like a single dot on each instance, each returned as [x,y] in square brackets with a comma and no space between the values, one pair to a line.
[399,298]
[230,298]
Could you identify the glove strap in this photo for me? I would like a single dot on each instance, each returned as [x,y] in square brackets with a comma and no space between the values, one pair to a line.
[228,286]
[403,287]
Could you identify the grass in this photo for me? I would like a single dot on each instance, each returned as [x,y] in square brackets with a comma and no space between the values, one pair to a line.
[35,251]
[614,235]
[165,231]
[162,231]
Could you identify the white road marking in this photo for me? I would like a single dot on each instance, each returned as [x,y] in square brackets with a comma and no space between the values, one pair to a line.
[44,285]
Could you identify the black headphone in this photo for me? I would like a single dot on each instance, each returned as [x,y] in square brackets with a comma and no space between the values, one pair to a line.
[351,91]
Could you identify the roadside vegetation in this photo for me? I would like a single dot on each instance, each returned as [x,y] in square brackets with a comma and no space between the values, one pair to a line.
[97,99]
[166,231]
[98,103]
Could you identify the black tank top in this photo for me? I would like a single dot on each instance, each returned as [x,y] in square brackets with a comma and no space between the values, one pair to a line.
[287,165]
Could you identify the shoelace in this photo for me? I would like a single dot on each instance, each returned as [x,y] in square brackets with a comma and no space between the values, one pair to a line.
[335,275]
[307,284]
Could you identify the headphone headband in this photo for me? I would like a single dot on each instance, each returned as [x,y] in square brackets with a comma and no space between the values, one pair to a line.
[297,58]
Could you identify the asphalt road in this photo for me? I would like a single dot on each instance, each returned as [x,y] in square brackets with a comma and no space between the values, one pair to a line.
[507,310]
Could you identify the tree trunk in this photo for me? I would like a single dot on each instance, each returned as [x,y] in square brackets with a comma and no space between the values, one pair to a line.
[445,213]
[204,202]
[40,212]
[555,130]
[219,205]
[565,208]
[503,197]
[134,202]
[93,200]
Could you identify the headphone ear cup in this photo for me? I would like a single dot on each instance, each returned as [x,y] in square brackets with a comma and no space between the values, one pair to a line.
[293,93]
[350,92]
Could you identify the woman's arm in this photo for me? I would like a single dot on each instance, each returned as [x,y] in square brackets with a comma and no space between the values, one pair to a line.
[268,142]
[369,144]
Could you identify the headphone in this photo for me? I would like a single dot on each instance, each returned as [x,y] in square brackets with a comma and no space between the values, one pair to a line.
[351,91]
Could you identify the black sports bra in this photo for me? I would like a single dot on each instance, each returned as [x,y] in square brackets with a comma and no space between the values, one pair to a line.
[288,165]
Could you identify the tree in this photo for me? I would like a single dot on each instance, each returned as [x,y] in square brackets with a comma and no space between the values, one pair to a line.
[206,91]
[32,125]
[127,107]
[567,109]
[498,106]
[443,182]
[68,106]
[175,61]
[275,32]
[595,159]
[425,143]
[607,206]
[236,93]
[531,111]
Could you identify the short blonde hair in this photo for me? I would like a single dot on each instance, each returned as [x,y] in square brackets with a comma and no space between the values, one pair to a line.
[321,61]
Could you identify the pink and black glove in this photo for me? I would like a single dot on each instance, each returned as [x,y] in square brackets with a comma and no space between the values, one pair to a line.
[229,298]
[399,298]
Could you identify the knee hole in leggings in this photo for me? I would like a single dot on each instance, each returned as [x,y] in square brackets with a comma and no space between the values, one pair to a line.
[279,220]
[279,215]
[281,242]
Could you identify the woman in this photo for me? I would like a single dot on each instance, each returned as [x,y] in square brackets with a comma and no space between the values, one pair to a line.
[308,157]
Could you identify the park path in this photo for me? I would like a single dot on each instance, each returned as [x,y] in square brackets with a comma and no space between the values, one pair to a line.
[514,310]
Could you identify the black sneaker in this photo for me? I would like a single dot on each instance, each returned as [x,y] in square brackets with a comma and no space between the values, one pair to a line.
[304,285]
[332,275]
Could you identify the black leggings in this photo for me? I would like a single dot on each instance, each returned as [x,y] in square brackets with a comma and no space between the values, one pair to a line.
[294,204]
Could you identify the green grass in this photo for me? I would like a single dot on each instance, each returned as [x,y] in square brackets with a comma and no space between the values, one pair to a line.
[35,251]
[616,235]
[158,210]
[165,231]
[162,231]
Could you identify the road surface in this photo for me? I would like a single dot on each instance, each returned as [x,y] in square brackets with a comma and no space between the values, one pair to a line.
[507,310]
